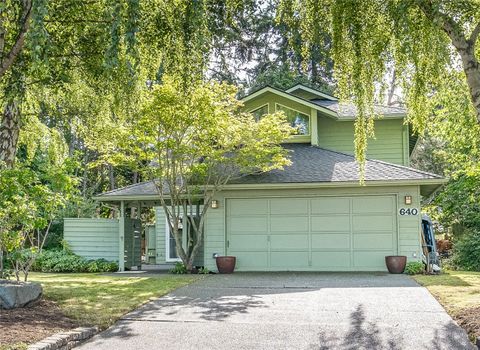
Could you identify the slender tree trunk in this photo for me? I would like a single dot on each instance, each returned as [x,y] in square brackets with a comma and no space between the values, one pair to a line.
[9,133]
[471,68]
[111,177]
[85,175]
[8,58]
[393,85]
[134,181]
[1,262]
[464,46]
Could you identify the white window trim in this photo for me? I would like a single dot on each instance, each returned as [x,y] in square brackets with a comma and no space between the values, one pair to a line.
[167,243]
[305,114]
[259,107]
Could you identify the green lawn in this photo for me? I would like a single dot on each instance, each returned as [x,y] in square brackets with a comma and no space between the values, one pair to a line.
[459,293]
[95,299]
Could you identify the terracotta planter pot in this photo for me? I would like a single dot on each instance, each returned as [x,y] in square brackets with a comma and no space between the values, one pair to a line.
[396,263]
[226,264]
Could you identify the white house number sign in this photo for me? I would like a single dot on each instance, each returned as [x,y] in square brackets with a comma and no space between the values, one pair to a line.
[408,211]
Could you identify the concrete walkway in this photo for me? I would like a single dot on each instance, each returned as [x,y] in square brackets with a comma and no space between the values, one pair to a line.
[289,311]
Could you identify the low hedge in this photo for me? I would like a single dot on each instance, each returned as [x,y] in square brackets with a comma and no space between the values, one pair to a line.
[466,251]
[59,260]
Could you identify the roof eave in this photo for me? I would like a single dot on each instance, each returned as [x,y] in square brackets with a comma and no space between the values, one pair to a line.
[421,182]
[432,184]
[350,118]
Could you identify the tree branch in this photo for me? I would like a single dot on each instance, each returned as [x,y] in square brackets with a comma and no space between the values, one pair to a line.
[447,24]
[20,40]
[2,31]
[475,33]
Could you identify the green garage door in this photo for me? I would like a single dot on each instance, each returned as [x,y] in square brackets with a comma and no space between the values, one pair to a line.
[322,233]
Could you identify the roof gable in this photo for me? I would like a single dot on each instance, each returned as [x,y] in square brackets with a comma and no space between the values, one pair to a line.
[275,91]
[331,106]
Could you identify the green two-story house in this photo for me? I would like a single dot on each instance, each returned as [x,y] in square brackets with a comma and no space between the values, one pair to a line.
[314,215]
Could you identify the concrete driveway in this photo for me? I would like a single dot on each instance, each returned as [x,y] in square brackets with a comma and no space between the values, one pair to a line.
[289,311]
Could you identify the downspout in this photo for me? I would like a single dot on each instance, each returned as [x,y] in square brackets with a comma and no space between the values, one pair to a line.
[121,238]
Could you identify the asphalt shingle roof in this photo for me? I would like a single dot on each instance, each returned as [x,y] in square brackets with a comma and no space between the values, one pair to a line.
[315,164]
[310,164]
[350,110]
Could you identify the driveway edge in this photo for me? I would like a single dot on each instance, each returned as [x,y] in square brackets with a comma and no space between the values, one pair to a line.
[65,340]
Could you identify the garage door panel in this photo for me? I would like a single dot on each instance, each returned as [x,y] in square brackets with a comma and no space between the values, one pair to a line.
[330,205]
[287,260]
[286,242]
[370,259]
[248,207]
[373,241]
[372,204]
[249,242]
[325,260]
[340,223]
[372,223]
[249,260]
[291,224]
[247,225]
[323,233]
[289,206]
[331,241]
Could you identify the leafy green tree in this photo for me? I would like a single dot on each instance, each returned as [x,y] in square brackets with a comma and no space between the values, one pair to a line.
[191,142]
[420,39]
[48,43]
[29,203]
[32,194]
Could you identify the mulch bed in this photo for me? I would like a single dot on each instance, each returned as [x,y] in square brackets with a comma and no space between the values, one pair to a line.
[469,319]
[34,323]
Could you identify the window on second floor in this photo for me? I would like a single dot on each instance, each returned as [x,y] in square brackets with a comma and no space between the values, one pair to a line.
[260,112]
[300,121]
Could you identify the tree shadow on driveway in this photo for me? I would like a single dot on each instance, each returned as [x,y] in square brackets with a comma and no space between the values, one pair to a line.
[361,335]
[367,335]
[217,308]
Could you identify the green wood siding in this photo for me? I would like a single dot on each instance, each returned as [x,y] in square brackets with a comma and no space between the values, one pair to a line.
[390,143]
[93,238]
[340,221]
[160,228]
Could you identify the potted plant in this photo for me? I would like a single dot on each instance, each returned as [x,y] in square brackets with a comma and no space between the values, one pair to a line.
[396,263]
[225,264]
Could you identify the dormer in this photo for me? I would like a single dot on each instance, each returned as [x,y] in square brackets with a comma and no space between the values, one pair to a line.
[300,112]
[321,120]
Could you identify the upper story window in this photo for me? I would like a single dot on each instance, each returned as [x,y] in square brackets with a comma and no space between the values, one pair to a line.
[260,112]
[300,121]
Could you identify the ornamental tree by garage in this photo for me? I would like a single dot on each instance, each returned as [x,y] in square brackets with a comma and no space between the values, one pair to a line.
[191,140]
